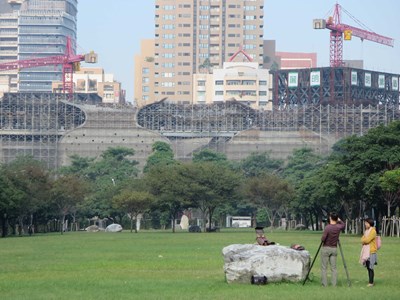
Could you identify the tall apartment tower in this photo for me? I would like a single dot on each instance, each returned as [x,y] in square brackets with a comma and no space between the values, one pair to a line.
[34,29]
[195,36]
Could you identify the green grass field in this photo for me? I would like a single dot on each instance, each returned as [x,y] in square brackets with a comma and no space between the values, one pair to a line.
[163,265]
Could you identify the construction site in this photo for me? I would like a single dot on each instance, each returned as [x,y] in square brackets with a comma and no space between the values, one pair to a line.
[313,107]
[52,127]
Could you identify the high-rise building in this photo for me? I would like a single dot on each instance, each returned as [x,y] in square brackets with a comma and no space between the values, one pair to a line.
[35,29]
[144,74]
[195,36]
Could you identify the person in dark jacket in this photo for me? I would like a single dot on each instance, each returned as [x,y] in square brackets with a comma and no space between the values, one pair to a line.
[330,238]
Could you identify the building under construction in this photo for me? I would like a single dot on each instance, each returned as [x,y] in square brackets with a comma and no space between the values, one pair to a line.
[311,108]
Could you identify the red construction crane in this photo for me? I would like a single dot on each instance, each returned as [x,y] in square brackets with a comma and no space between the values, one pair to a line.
[68,61]
[338,29]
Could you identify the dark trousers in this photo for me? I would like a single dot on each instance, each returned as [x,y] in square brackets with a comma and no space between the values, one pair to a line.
[370,272]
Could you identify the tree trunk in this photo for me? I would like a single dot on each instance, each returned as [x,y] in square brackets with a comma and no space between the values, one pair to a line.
[20,226]
[136,220]
[62,224]
[311,221]
[131,222]
[210,213]
[4,227]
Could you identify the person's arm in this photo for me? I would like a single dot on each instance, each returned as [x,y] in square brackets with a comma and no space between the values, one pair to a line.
[341,224]
[368,239]
[324,234]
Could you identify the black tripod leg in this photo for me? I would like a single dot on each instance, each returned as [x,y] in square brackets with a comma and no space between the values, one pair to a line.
[344,264]
[312,264]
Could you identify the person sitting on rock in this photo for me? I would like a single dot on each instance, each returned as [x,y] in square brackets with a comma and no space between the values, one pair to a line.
[261,239]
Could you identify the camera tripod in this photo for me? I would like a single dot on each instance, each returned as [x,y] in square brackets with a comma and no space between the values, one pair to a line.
[344,263]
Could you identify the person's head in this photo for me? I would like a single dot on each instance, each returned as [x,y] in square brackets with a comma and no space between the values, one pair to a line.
[369,223]
[333,216]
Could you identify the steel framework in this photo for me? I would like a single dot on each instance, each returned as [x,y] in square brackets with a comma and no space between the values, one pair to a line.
[50,128]
[229,118]
[335,86]
[33,123]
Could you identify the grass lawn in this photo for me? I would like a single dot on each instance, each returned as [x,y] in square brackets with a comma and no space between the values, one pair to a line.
[163,265]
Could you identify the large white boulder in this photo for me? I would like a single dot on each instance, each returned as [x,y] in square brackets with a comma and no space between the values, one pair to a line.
[114,228]
[92,228]
[277,263]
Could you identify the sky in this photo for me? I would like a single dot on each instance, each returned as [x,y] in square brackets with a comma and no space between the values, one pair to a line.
[114,29]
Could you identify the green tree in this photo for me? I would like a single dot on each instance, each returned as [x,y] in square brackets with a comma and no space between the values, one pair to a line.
[390,184]
[133,203]
[268,192]
[67,193]
[209,155]
[212,186]
[31,179]
[170,187]
[162,155]
[111,172]
[259,163]
[366,159]
[10,196]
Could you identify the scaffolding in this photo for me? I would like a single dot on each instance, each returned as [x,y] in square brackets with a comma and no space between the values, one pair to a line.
[51,129]
[232,127]
[33,123]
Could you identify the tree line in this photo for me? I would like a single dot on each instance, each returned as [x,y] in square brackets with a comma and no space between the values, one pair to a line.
[360,177]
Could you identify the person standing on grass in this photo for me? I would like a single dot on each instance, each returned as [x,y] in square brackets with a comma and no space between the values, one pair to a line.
[368,256]
[329,239]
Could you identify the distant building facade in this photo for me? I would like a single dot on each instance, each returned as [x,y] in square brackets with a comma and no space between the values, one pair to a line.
[144,74]
[297,60]
[95,81]
[193,36]
[244,82]
[35,29]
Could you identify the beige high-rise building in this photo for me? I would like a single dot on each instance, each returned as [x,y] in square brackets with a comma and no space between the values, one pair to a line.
[195,36]
[144,74]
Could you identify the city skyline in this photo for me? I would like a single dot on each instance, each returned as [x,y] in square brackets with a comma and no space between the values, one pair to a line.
[115,33]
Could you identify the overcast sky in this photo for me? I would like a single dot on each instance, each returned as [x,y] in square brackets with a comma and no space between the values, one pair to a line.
[114,29]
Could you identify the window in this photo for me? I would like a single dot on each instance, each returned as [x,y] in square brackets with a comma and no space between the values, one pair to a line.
[169,7]
[167,84]
[249,82]
[145,80]
[168,46]
[168,17]
[262,82]
[262,93]
[145,97]
[219,93]
[219,82]
[145,89]
[168,26]
[145,71]
[167,74]
[168,36]
[168,65]
[201,83]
